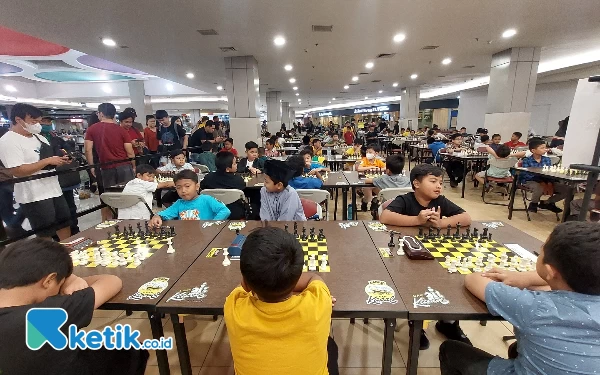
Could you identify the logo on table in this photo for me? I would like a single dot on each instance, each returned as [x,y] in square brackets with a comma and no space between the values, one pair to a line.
[43,326]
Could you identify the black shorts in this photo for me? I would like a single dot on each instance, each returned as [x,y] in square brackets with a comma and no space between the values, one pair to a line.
[42,214]
[117,176]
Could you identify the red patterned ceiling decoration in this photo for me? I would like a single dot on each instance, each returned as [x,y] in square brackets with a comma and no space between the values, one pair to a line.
[13,43]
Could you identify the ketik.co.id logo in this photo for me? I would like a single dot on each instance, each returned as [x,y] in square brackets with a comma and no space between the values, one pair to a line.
[43,326]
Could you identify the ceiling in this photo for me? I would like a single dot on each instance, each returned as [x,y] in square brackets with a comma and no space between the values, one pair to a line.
[162,39]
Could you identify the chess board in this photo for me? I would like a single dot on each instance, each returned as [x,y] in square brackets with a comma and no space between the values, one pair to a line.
[458,248]
[371,175]
[127,247]
[317,248]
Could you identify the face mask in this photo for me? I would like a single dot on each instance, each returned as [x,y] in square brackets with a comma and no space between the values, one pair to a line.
[32,128]
[370,156]
[46,129]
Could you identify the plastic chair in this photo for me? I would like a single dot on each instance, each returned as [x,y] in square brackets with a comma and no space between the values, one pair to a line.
[499,163]
[383,206]
[200,167]
[317,196]
[122,200]
[227,196]
[392,193]
[312,210]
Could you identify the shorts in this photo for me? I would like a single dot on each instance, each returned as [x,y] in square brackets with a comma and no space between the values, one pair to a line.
[43,214]
[480,174]
[117,176]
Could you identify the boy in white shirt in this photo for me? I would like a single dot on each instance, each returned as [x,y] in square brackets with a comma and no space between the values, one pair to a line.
[144,185]
[178,163]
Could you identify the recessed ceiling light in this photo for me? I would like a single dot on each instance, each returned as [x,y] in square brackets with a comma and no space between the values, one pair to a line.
[329,103]
[395,84]
[297,94]
[107,89]
[190,75]
[295,88]
[169,86]
[109,42]
[369,65]
[404,91]
[257,89]
[458,97]
[509,33]
[332,98]
[346,87]
[288,67]
[380,91]
[292,80]
[414,76]
[299,99]
[355,78]
[54,107]
[10,88]
[446,61]
[279,41]
[219,88]
[399,37]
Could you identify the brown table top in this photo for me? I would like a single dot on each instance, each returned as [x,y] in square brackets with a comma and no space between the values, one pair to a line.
[354,178]
[334,179]
[412,277]
[556,175]
[465,157]
[189,242]
[353,264]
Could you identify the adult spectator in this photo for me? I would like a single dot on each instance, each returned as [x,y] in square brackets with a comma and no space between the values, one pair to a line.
[170,134]
[126,120]
[372,134]
[23,149]
[136,125]
[561,133]
[111,143]
[150,139]
[206,134]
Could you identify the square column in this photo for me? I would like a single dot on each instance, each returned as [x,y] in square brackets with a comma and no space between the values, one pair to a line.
[273,111]
[292,114]
[285,114]
[409,108]
[137,96]
[242,85]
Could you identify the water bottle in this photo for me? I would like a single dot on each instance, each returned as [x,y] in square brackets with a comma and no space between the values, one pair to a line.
[350,211]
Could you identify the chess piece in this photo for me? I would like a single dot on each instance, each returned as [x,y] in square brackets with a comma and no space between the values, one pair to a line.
[304,237]
[448,230]
[117,230]
[491,259]
[286,228]
[170,250]
[420,231]
[475,232]
[323,263]
[312,263]
[296,228]
[173,234]
[452,266]
[430,234]
[391,244]
[226,261]
[237,231]
[438,232]
[131,232]
[312,233]
[321,236]
[139,226]
[489,237]
[400,250]
[108,235]
[485,232]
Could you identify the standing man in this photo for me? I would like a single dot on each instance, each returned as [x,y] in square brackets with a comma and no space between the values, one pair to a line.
[112,143]
[126,120]
[29,153]
[170,136]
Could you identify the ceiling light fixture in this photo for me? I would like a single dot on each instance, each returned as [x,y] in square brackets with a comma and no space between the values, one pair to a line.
[332,98]
[219,88]
[395,84]
[279,41]
[380,91]
[369,65]
[107,89]
[355,78]
[109,42]
[446,61]
[299,99]
[295,88]
[346,87]
[292,80]
[458,97]
[329,102]
[414,76]
[190,75]
[297,94]
[288,67]
[169,86]
[399,37]
[366,97]
[509,33]
[10,88]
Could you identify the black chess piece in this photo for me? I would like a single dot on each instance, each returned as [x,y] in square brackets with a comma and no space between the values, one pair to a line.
[304,237]
[420,231]
[475,232]
[485,232]
[108,238]
[430,234]
[237,231]
[391,243]
[468,233]
[131,232]
[439,230]
[321,236]
[296,227]
[139,226]
[457,230]
[286,228]
[173,232]
[448,230]
[117,230]
[312,233]
[489,238]
[146,227]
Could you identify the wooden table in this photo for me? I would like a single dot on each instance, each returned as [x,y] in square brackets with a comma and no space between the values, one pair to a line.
[465,160]
[346,282]
[355,181]
[290,150]
[337,162]
[412,277]
[570,180]
[189,242]
[422,151]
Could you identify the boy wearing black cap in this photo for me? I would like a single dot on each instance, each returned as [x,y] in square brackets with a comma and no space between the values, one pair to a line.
[279,202]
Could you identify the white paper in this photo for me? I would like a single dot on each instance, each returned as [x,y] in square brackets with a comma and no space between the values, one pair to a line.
[521,251]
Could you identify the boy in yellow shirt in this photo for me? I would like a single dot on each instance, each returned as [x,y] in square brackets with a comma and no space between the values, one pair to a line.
[278,320]
[370,163]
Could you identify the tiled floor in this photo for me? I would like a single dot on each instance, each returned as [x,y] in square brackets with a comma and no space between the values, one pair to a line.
[360,344]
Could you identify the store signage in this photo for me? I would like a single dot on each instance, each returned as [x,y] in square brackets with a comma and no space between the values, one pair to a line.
[381,108]
[324,114]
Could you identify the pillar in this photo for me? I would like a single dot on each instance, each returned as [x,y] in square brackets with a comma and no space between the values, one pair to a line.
[285,114]
[243,98]
[273,111]
[137,96]
[513,76]
[409,108]
[292,115]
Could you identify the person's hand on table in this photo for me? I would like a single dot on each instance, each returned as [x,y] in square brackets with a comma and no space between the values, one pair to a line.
[156,221]
[424,216]
[254,170]
[435,218]
[509,278]
[72,284]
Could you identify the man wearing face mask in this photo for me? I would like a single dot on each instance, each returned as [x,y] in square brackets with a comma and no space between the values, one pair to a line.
[29,153]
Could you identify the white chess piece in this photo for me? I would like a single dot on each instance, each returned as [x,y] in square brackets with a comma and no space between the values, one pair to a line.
[400,250]
[452,266]
[170,250]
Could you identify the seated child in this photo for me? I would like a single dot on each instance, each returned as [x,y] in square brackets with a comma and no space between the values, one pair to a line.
[290,311]
[305,143]
[515,140]
[370,162]
[144,185]
[502,153]
[177,164]
[335,141]
[38,273]
[270,150]
[228,146]
[555,310]
[296,163]
[317,148]
[427,207]
[484,141]
[225,178]
[251,163]
[533,182]
[191,206]
[496,141]
[207,155]
[393,178]
[278,200]
[312,167]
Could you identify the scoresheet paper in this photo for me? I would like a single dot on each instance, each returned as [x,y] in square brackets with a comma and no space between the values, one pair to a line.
[521,251]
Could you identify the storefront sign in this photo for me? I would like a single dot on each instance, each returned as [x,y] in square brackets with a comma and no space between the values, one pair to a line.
[325,114]
[381,108]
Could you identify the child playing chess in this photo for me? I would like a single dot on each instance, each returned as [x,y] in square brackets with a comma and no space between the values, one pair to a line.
[299,181]
[270,148]
[143,185]
[316,147]
[355,152]
[278,200]
[289,311]
[38,273]
[533,182]
[393,178]
[427,207]
[515,140]
[370,162]
[191,206]
[555,310]
[225,178]
[312,167]
[178,163]
[251,163]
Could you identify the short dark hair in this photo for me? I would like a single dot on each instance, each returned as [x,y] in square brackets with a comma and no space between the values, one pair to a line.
[108,110]
[503,151]
[430,132]
[296,163]
[271,262]
[484,138]
[463,128]
[132,110]
[216,117]
[21,110]
[210,123]
[230,140]
[161,113]
[144,168]
[28,261]
[496,135]
[250,145]
[395,163]
[358,141]
[149,117]
[186,174]
[454,136]
[423,170]
[535,143]
[175,153]
[224,160]
[573,248]
[261,151]
[47,118]
[306,140]
[306,151]
[270,141]
[518,134]
[315,140]
[125,115]
[374,147]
